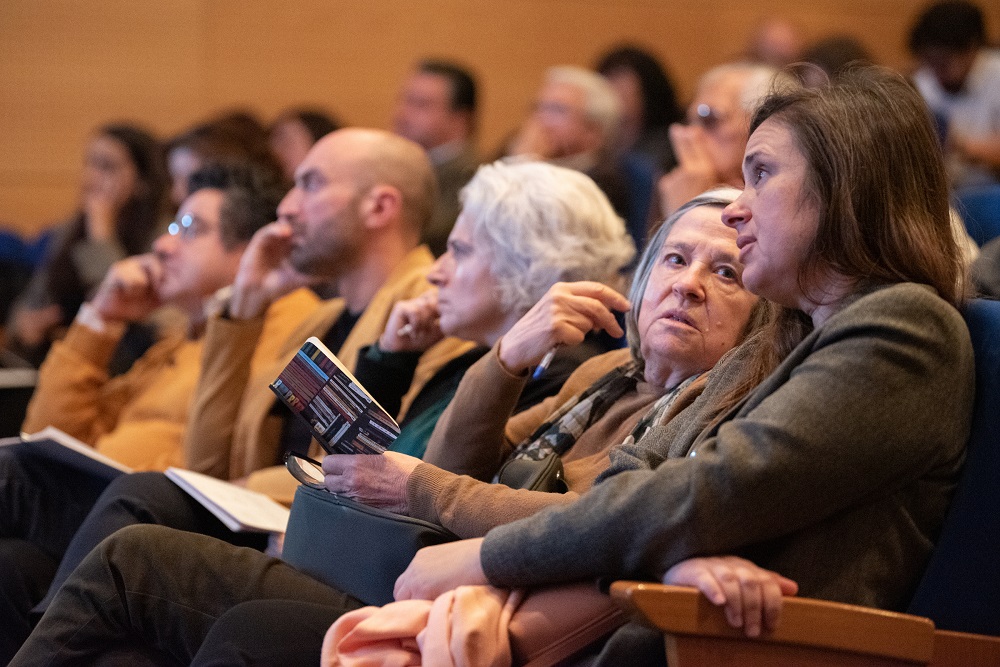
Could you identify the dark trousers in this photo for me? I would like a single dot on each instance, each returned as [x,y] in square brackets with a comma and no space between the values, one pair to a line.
[42,503]
[140,498]
[51,516]
[167,595]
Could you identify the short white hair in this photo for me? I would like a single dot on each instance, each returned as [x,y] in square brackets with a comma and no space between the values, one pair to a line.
[543,224]
[600,106]
[758,81]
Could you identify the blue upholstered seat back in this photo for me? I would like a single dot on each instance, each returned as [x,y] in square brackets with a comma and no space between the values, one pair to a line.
[980,209]
[961,588]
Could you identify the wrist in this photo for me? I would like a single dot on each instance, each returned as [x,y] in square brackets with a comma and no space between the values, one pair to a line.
[508,363]
[246,304]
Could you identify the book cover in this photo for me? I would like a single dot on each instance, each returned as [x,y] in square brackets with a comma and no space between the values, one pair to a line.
[343,416]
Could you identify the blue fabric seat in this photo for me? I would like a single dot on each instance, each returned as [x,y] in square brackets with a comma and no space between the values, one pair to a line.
[980,209]
[960,589]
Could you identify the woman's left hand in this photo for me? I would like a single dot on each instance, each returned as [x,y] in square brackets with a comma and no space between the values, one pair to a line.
[376,481]
[750,594]
[441,568]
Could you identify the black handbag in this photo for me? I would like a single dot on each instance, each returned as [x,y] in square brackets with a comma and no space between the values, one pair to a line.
[356,549]
[545,474]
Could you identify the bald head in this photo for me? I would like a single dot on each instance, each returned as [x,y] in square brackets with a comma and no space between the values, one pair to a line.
[371,157]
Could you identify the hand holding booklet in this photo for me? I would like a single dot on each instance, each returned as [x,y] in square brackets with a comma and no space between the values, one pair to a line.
[343,416]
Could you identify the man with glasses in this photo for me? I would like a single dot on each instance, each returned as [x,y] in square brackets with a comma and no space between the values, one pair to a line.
[137,418]
[709,148]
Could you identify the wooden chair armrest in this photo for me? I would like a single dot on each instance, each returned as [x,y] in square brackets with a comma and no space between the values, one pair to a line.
[960,649]
[809,624]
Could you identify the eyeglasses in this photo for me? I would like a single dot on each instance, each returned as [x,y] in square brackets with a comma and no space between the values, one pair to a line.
[187,227]
[305,470]
[707,117]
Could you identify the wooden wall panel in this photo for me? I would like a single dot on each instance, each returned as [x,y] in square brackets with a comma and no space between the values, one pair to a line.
[68,66]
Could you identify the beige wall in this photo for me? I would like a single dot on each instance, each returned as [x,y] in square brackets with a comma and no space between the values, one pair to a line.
[67,66]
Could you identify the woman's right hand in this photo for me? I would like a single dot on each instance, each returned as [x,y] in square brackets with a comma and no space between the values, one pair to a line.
[750,594]
[414,325]
[564,316]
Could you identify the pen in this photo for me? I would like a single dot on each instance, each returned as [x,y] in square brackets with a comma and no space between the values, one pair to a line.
[546,360]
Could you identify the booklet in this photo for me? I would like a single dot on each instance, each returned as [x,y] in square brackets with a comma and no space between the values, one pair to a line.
[53,444]
[242,510]
[343,416]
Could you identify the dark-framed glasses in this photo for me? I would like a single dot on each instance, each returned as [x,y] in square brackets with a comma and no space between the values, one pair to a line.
[305,470]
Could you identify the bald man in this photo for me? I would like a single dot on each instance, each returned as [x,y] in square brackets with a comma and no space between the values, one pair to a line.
[354,217]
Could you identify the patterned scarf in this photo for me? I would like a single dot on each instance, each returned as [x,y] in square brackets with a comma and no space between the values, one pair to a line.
[561,430]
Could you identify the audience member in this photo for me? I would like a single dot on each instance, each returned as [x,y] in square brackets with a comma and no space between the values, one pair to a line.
[709,149]
[294,132]
[574,125]
[832,55]
[648,103]
[776,42]
[121,211]
[523,228]
[437,109]
[236,136]
[685,314]
[959,79]
[985,270]
[137,418]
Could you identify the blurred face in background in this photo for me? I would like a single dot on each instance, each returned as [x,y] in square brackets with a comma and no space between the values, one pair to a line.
[290,140]
[724,123]
[424,112]
[560,113]
[181,163]
[108,171]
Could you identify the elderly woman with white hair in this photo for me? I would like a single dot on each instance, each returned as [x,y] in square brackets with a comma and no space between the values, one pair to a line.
[523,228]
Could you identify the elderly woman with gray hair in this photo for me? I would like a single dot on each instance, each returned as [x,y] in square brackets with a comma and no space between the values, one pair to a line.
[523,228]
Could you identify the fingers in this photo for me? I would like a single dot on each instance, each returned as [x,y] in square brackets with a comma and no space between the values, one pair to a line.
[600,292]
[340,473]
[413,324]
[593,301]
[751,596]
